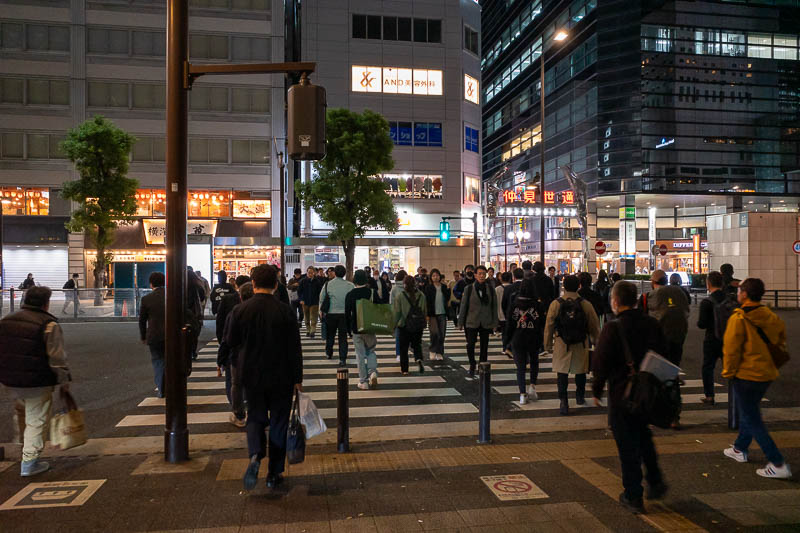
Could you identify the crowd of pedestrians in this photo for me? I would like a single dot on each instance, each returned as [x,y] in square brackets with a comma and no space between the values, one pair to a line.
[599,327]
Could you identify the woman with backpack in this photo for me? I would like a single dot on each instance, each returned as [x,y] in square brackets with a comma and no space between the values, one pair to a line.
[410,311]
[572,326]
[524,329]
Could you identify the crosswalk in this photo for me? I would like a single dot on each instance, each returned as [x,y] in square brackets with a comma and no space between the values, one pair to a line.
[440,395]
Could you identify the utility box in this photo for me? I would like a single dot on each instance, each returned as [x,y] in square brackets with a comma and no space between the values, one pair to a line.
[306,115]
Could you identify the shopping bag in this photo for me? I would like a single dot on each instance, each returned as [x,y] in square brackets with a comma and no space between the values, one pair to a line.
[309,416]
[67,429]
[374,318]
[295,437]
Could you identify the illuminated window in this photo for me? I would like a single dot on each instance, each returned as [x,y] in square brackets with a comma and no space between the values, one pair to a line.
[471,89]
[416,186]
[472,189]
[527,140]
[33,201]
[244,206]
[209,204]
[394,80]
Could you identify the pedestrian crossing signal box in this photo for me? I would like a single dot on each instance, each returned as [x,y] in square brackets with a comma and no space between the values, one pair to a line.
[444,231]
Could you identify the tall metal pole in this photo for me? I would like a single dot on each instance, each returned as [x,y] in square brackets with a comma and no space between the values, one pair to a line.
[475,239]
[176,432]
[541,151]
[2,272]
[282,210]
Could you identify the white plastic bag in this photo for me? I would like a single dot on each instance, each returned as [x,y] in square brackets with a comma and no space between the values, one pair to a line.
[310,417]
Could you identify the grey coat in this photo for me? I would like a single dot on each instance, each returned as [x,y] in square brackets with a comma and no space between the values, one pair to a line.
[473,313]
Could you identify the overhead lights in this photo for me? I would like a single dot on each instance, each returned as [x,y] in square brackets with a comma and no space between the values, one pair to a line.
[560,36]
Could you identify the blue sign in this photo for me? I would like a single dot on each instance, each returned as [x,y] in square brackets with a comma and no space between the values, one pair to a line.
[434,134]
[421,134]
[393,132]
[404,133]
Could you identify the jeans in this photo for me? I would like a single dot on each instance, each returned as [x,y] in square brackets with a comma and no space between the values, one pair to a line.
[310,313]
[266,407]
[233,391]
[712,350]
[406,339]
[748,402]
[635,446]
[472,338]
[438,332]
[524,353]
[37,415]
[367,359]
[157,359]
[336,324]
[580,386]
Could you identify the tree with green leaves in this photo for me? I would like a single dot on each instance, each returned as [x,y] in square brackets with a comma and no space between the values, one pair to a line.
[344,192]
[104,194]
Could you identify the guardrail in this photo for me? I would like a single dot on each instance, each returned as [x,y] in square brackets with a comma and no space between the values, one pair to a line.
[82,303]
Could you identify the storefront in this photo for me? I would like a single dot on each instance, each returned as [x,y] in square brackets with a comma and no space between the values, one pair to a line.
[689,256]
[37,245]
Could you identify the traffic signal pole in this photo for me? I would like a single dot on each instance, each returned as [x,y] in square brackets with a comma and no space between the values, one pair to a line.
[180,76]
[474,219]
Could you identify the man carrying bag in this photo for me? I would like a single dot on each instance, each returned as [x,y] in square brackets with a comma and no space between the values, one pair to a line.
[32,363]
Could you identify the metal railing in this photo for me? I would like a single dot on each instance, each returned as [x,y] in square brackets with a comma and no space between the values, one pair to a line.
[82,303]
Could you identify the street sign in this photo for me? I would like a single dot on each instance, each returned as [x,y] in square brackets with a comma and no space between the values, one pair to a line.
[796,247]
[662,249]
[600,248]
[513,487]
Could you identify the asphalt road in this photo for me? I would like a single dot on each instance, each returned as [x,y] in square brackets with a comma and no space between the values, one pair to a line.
[112,372]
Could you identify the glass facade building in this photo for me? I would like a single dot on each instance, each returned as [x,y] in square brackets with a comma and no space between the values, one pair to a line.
[690,108]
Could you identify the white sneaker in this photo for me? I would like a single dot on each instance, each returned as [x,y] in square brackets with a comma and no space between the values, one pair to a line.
[397,358]
[523,399]
[735,454]
[373,380]
[532,393]
[363,386]
[776,472]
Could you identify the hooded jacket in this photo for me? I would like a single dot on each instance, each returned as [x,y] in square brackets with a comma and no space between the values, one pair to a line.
[745,354]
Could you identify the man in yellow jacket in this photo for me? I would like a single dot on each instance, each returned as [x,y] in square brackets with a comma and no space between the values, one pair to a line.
[748,363]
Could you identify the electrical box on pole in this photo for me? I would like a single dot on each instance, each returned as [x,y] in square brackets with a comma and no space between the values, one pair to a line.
[306,116]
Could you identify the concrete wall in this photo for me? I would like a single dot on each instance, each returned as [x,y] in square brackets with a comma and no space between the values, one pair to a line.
[446,258]
[757,245]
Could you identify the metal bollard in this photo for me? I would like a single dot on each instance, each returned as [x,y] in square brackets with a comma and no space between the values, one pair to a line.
[733,416]
[11,301]
[485,402]
[75,303]
[342,409]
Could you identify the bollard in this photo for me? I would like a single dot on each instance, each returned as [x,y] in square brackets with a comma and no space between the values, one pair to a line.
[11,301]
[733,416]
[776,299]
[342,409]
[485,403]
[75,303]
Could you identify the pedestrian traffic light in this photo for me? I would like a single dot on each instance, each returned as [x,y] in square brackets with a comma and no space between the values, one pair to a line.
[287,241]
[444,231]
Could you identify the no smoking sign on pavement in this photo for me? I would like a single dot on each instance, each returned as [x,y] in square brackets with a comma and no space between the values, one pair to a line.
[513,487]
[53,494]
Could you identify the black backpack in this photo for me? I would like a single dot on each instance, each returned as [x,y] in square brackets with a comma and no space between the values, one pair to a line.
[722,312]
[571,322]
[415,319]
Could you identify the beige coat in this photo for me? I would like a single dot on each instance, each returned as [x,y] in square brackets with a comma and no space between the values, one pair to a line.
[572,359]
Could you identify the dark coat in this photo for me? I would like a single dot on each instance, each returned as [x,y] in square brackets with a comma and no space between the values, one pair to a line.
[608,363]
[226,305]
[509,293]
[593,298]
[705,320]
[264,331]
[523,337]
[217,293]
[152,310]
[430,297]
[309,289]
[24,361]
[545,290]
[386,289]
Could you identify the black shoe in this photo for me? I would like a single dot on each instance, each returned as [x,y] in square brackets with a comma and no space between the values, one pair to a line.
[563,410]
[580,400]
[421,367]
[330,357]
[634,506]
[251,474]
[656,492]
[273,480]
[313,335]
[471,373]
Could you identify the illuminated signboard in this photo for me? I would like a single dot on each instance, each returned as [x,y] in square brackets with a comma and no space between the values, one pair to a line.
[524,195]
[394,80]
[471,91]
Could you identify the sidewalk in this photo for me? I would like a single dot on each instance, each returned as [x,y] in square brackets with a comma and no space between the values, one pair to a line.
[422,485]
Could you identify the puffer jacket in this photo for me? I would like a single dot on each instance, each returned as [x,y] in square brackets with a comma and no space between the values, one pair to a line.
[745,354]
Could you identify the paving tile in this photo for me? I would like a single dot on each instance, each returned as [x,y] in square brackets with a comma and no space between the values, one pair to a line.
[439,520]
[309,527]
[784,514]
[564,510]
[749,517]
[720,500]
[397,523]
[263,528]
[505,528]
[481,517]
[155,464]
[582,525]
[356,525]
[525,514]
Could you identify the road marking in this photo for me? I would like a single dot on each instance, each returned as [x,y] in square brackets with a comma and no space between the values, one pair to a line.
[510,366]
[327,413]
[552,387]
[53,494]
[555,403]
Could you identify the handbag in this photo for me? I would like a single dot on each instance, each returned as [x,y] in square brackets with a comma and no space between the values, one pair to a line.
[67,429]
[779,354]
[647,397]
[374,318]
[295,436]
[310,418]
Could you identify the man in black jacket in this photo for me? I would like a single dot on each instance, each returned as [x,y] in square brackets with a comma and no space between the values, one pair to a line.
[712,346]
[220,289]
[270,368]
[632,434]
[308,292]
[587,293]
[32,363]
[545,290]
[509,295]
[228,359]
[226,305]
[151,327]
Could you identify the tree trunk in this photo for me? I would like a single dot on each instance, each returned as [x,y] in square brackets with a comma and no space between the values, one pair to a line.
[349,254]
[99,268]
